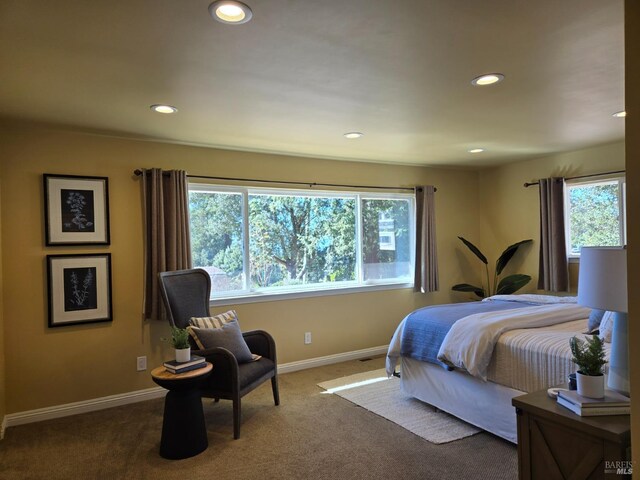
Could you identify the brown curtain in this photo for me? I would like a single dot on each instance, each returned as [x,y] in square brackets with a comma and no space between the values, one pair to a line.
[426,267]
[553,274]
[167,243]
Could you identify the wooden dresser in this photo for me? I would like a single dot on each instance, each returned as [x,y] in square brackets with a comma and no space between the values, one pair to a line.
[555,443]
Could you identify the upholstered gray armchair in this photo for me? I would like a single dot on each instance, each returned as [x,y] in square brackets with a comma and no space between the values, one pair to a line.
[186,294]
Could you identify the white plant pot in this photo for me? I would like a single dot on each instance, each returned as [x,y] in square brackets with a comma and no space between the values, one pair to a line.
[183,354]
[590,386]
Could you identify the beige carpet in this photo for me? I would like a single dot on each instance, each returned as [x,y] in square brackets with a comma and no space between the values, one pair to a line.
[382,396]
[310,436]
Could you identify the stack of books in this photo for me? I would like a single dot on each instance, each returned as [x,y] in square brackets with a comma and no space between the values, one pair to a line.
[181,367]
[613,403]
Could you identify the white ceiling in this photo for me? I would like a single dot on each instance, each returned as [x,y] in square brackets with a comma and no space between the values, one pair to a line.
[302,73]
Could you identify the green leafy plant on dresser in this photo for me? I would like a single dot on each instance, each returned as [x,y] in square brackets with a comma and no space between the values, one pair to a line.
[588,355]
[590,358]
[507,285]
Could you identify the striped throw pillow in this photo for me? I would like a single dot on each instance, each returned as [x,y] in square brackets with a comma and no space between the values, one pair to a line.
[217,321]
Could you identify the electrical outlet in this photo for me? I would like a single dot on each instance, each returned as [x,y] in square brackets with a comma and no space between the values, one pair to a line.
[307,338]
[142,363]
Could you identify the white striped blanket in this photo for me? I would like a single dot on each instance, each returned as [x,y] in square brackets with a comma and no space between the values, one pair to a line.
[471,340]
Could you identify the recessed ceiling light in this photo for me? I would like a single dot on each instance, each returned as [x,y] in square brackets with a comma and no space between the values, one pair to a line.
[230,11]
[487,79]
[621,114]
[353,135]
[476,150]
[163,108]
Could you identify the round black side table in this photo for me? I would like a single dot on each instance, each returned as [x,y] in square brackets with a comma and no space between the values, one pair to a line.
[184,433]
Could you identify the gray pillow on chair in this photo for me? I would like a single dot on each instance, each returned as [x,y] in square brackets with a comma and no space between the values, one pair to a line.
[227,336]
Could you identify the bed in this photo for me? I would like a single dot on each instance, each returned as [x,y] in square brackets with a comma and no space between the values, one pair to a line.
[471,359]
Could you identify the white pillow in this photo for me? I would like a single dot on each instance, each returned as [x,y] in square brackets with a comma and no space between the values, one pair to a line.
[606,327]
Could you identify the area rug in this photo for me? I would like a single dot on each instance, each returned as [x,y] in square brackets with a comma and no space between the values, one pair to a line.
[382,396]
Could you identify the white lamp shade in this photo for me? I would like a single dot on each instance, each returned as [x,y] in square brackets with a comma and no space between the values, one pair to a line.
[602,282]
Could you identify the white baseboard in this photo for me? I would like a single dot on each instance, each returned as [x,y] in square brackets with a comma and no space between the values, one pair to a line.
[68,409]
[329,359]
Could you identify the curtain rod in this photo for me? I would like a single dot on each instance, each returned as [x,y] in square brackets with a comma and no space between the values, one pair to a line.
[528,184]
[138,172]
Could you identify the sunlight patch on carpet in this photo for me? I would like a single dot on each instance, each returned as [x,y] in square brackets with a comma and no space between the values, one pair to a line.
[353,382]
[382,396]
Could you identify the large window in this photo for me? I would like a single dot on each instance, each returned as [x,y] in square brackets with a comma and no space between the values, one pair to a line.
[261,241]
[595,214]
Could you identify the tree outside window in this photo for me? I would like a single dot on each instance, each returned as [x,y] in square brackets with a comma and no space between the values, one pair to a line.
[299,240]
[595,215]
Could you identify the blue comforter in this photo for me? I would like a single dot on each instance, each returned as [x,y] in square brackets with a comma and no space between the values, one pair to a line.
[426,328]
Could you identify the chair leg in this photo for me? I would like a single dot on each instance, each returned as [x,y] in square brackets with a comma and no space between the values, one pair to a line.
[274,387]
[236,417]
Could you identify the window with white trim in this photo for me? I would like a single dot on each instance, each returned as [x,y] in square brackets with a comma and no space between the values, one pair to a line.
[595,214]
[257,241]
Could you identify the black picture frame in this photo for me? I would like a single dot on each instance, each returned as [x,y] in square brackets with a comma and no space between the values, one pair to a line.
[79,289]
[76,210]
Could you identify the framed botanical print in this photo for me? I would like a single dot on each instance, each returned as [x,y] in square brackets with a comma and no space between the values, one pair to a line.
[76,210]
[79,289]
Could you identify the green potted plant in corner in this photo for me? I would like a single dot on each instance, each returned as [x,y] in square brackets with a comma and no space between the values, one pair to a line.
[589,356]
[507,285]
[180,341]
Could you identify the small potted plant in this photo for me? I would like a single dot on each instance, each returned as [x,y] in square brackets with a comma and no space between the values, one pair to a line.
[588,355]
[180,341]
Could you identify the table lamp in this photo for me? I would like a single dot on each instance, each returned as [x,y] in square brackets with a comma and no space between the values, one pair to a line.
[602,284]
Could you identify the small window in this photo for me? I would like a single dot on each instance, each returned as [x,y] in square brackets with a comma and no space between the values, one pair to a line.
[595,214]
[216,220]
[386,246]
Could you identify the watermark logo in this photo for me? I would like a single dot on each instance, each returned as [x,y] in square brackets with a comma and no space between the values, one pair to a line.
[618,467]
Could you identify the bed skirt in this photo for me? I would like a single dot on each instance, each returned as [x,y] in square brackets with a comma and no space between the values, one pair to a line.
[486,405]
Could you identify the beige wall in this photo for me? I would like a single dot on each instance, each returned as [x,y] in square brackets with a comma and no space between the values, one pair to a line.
[511,212]
[47,367]
[632,82]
